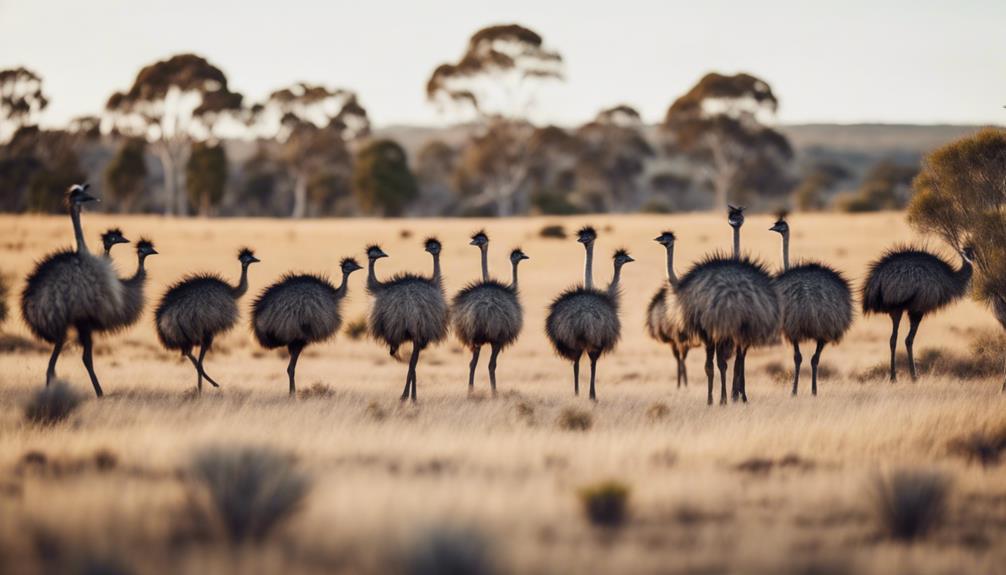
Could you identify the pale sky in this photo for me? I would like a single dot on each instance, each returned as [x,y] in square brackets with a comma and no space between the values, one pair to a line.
[905,61]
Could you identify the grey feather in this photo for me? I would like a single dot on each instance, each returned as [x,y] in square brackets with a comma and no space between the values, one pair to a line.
[487,312]
[298,309]
[582,321]
[194,309]
[912,279]
[408,308]
[816,303]
[664,324]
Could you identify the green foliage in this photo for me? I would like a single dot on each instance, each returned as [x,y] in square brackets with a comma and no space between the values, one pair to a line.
[126,174]
[909,504]
[606,504]
[23,100]
[206,176]
[52,404]
[36,168]
[382,180]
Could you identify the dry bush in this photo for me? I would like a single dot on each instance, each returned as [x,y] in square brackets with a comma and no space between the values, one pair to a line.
[375,411]
[606,504]
[245,491]
[52,404]
[4,290]
[317,390]
[573,419]
[910,503]
[984,360]
[525,411]
[553,231]
[450,551]
[357,329]
[658,411]
[64,554]
[783,374]
[985,446]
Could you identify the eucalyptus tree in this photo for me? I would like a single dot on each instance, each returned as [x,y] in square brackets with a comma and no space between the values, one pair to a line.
[21,100]
[613,155]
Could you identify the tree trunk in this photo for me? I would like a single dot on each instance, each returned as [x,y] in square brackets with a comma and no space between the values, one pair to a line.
[170,183]
[299,196]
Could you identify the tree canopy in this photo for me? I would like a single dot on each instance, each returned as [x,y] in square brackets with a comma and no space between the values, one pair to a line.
[382,180]
[21,100]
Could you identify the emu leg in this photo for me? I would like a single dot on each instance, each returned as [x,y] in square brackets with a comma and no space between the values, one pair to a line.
[797,360]
[721,363]
[593,372]
[1004,377]
[677,360]
[814,361]
[895,321]
[684,366]
[291,370]
[710,372]
[88,345]
[492,367]
[576,377]
[195,363]
[50,373]
[739,368]
[205,347]
[413,361]
[471,368]
[914,319]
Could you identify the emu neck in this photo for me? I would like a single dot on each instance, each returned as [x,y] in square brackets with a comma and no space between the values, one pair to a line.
[78,231]
[437,276]
[484,248]
[513,282]
[242,286]
[671,278]
[372,281]
[615,278]
[785,252]
[737,242]
[965,272]
[108,250]
[340,292]
[141,270]
[588,266]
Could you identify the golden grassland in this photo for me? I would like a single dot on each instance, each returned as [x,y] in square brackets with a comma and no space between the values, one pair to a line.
[781,485]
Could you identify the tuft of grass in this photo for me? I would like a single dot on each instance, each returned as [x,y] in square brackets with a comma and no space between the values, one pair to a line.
[658,411]
[985,446]
[405,233]
[357,329]
[246,492]
[573,419]
[52,404]
[317,390]
[606,504]
[450,551]
[553,231]
[910,503]
[525,411]
[375,411]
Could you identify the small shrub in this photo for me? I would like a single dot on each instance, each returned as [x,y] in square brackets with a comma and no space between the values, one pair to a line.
[317,390]
[984,446]
[553,231]
[573,419]
[405,233]
[910,503]
[357,329]
[450,551]
[105,460]
[52,404]
[376,412]
[606,504]
[246,491]
[525,411]
[658,411]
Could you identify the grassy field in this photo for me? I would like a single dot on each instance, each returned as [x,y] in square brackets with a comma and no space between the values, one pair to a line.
[781,485]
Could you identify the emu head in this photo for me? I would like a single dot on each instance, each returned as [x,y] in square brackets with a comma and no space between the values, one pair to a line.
[145,248]
[247,257]
[349,265]
[77,196]
[735,215]
[374,252]
[432,245]
[622,257]
[479,239]
[780,226]
[113,237]
[517,255]
[665,239]
[586,235]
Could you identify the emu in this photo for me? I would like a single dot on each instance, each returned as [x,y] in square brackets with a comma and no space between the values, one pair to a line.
[816,303]
[584,319]
[408,308]
[300,310]
[488,312]
[72,289]
[911,279]
[732,305]
[196,310]
[663,321]
[133,296]
[112,238]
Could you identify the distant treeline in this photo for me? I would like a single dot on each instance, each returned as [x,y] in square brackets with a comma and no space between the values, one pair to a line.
[180,141]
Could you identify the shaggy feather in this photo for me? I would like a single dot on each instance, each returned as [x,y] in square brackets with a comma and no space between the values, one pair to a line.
[193,309]
[913,279]
[487,312]
[730,300]
[816,303]
[406,308]
[663,321]
[70,289]
[583,320]
[298,309]
[3,299]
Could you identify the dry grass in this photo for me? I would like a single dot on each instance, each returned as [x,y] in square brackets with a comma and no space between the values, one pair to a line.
[773,486]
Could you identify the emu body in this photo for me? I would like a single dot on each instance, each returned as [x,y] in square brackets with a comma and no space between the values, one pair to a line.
[663,320]
[300,310]
[917,282]
[133,291]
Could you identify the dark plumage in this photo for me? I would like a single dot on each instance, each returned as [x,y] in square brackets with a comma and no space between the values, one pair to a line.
[3,299]
[197,309]
[816,303]
[111,238]
[731,304]
[300,310]
[913,280]
[584,319]
[408,308]
[133,296]
[488,312]
[663,320]
[72,289]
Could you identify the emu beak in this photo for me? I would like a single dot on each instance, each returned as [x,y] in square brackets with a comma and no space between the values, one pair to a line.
[88,198]
[153,252]
[254,260]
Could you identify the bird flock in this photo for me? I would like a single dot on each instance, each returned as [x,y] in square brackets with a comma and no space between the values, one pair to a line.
[727,303]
